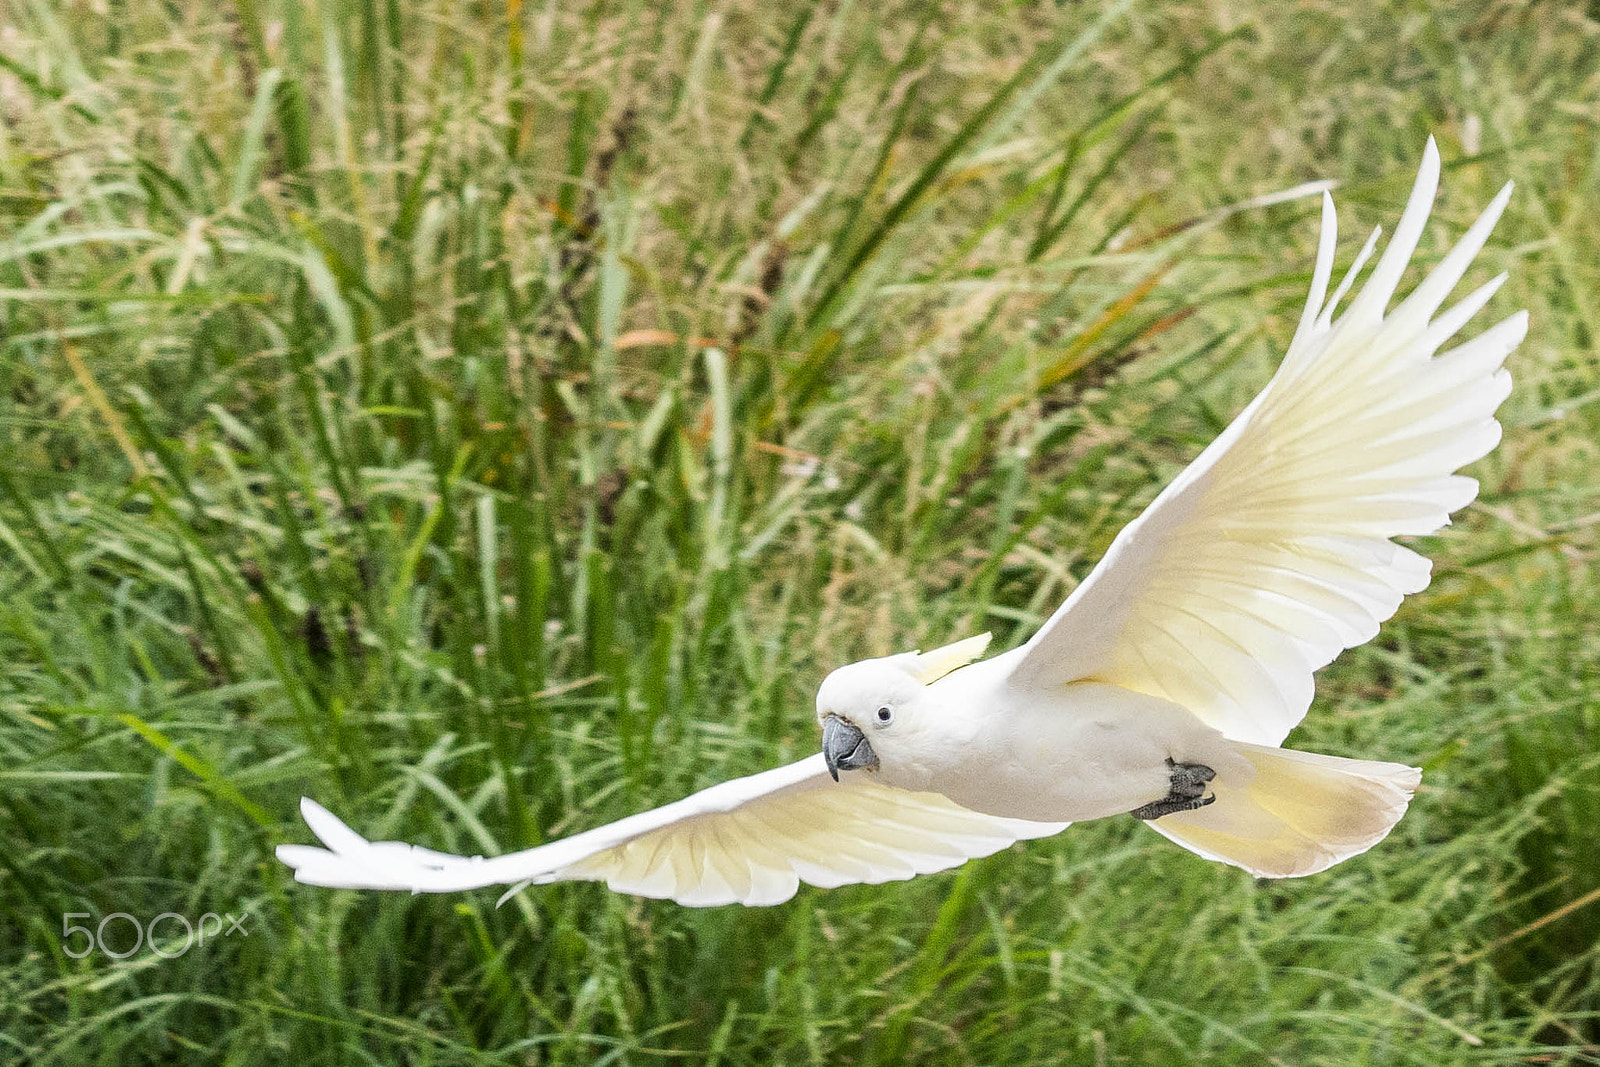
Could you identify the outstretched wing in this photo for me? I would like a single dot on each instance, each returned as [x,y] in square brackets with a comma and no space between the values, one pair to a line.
[748,841]
[1271,552]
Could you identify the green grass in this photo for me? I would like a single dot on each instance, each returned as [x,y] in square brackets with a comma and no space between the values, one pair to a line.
[494,420]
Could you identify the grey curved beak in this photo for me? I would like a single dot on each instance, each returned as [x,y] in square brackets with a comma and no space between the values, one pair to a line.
[845,747]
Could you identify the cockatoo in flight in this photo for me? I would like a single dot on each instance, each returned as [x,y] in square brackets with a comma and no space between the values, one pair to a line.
[1161,688]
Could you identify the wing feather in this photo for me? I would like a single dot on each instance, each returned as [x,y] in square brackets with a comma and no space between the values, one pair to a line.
[752,841]
[1271,552]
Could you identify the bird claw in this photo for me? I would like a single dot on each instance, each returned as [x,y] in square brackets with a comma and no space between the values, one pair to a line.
[1186,792]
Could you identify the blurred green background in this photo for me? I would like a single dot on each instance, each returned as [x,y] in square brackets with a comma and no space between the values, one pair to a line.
[492,420]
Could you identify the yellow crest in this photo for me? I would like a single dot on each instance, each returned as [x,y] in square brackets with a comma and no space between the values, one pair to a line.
[929,667]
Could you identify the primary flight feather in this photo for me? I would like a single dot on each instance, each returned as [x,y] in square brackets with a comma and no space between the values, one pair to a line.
[1164,684]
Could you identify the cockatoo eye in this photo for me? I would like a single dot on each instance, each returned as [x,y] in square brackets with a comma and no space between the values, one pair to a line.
[885,715]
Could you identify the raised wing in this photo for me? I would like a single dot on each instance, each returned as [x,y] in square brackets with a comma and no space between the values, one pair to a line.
[748,841]
[1271,552]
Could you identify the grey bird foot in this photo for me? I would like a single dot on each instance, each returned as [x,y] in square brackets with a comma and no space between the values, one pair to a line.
[1186,792]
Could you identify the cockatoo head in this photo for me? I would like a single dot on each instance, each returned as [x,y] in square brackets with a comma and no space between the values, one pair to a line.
[868,709]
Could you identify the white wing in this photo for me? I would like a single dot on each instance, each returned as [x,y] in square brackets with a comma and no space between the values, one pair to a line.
[748,841]
[1271,552]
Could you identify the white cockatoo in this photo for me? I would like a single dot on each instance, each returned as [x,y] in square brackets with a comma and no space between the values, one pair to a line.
[1162,687]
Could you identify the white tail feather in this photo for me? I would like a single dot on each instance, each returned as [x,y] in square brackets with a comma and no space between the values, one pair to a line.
[1300,813]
